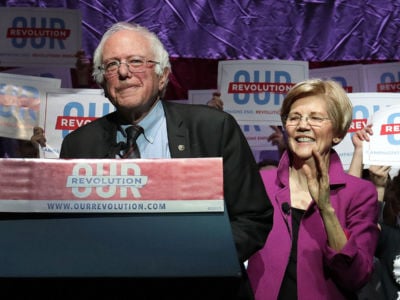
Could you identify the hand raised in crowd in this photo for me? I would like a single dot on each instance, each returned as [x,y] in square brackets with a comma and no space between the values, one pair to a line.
[277,138]
[83,68]
[82,61]
[361,135]
[356,165]
[38,138]
[379,175]
[216,101]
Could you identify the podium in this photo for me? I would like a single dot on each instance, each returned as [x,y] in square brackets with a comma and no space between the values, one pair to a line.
[79,234]
[171,256]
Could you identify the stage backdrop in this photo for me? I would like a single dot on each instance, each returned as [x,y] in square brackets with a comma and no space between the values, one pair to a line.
[207,31]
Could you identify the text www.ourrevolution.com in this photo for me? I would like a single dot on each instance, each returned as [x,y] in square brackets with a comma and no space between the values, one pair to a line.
[151,206]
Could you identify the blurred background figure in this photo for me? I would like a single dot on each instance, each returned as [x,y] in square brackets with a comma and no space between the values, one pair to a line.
[383,284]
[216,101]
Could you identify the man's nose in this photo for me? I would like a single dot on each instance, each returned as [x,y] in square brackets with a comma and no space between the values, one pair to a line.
[123,69]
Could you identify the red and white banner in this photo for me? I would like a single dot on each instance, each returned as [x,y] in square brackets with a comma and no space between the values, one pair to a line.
[111,185]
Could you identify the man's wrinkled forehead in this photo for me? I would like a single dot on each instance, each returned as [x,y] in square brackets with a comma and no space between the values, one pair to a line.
[126,43]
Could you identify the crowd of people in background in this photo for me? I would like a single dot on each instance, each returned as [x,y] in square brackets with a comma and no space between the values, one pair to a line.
[384,284]
[335,233]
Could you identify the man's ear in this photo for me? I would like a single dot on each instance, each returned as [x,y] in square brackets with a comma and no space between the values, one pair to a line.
[162,84]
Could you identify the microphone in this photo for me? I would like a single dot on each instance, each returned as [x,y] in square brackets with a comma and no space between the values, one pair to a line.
[286,208]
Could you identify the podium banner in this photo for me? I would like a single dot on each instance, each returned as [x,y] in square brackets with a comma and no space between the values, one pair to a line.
[111,185]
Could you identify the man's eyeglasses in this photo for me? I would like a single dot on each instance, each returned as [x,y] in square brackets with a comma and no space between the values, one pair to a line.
[313,120]
[134,64]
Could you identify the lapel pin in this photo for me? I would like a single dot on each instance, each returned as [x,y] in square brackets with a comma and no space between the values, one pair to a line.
[181,147]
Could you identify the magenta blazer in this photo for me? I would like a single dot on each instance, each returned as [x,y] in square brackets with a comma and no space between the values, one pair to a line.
[322,273]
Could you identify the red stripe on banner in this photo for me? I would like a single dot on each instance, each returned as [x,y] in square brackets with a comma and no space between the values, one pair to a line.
[391,87]
[26,32]
[388,129]
[72,123]
[357,124]
[259,87]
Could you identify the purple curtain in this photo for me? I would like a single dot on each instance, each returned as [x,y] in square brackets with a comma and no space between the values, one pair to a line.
[199,33]
[310,30]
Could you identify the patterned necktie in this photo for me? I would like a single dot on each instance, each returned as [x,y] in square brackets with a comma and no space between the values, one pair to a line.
[132,133]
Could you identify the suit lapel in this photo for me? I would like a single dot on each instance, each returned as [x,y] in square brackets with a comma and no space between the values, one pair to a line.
[110,126]
[178,135]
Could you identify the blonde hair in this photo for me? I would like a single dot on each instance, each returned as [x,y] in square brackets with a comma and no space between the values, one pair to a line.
[339,107]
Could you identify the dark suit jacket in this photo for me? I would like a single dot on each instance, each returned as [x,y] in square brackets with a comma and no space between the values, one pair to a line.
[204,132]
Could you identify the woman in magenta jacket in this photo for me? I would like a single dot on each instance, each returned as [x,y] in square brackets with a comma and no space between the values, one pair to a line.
[325,221]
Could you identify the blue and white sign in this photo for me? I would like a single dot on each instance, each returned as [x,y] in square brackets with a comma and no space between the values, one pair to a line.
[39,36]
[253,90]
[65,110]
[383,77]
[364,106]
[20,101]
[384,146]
[350,77]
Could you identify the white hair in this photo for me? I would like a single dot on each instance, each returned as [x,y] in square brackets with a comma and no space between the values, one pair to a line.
[158,49]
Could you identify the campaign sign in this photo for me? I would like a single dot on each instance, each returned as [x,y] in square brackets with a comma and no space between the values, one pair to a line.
[39,36]
[257,134]
[62,73]
[64,110]
[384,146]
[364,106]
[253,90]
[111,185]
[20,99]
[383,77]
[350,77]
[200,96]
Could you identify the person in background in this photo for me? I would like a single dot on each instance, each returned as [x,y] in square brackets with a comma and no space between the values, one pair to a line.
[379,175]
[216,101]
[81,75]
[388,250]
[384,284]
[277,138]
[16,148]
[132,66]
[325,229]
[8,147]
